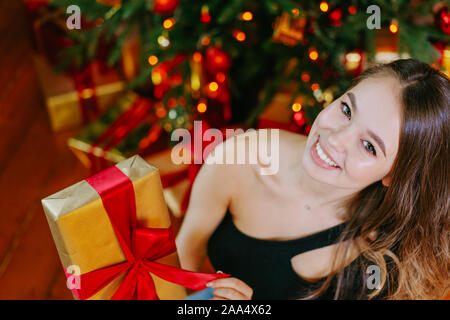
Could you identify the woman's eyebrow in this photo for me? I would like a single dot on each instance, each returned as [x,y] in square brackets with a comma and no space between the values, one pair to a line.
[371,133]
[378,140]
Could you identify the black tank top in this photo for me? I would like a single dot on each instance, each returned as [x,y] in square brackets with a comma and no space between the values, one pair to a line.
[265,265]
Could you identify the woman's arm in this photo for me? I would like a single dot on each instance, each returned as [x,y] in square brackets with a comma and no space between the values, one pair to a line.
[211,194]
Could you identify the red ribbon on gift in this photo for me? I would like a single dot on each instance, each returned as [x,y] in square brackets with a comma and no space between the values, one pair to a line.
[87,97]
[141,247]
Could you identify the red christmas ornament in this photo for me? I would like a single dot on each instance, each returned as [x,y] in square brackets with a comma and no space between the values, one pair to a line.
[205,18]
[165,7]
[336,17]
[299,118]
[216,60]
[442,19]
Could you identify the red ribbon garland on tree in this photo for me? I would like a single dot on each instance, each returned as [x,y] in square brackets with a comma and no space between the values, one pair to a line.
[119,129]
[141,247]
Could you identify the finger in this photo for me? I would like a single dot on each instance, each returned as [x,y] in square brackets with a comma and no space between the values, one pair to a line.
[229,293]
[235,283]
[217,298]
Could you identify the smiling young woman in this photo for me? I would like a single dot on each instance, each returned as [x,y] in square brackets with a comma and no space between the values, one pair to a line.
[368,186]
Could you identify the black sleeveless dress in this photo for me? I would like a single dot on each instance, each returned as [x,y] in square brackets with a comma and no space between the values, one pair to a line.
[265,265]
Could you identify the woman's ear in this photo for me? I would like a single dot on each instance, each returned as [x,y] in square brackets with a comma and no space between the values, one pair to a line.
[386,181]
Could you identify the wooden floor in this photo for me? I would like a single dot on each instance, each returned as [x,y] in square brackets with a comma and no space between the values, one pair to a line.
[34,163]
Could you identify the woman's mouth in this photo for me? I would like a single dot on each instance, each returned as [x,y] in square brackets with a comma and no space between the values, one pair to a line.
[321,158]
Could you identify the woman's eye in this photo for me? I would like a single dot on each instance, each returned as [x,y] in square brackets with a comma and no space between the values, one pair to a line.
[369,147]
[346,110]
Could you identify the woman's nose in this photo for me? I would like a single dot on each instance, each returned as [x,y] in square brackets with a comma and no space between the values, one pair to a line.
[339,139]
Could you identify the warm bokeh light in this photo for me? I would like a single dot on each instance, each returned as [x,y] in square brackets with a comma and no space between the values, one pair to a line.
[393,27]
[213,86]
[305,77]
[197,57]
[315,86]
[220,77]
[163,41]
[296,107]
[152,60]
[156,77]
[205,40]
[246,16]
[239,35]
[161,112]
[168,23]
[324,6]
[313,54]
[295,12]
[201,107]
[352,10]
[87,93]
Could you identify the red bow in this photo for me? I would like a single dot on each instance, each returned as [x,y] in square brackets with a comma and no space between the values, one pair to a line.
[141,247]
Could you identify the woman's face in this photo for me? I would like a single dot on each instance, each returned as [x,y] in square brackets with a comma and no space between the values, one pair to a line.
[354,140]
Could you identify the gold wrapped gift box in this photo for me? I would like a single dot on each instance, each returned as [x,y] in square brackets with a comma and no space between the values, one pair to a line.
[174,194]
[84,235]
[62,97]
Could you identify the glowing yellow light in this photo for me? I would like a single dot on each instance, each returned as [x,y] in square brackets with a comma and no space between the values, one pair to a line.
[247,16]
[239,35]
[195,82]
[197,57]
[87,93]
[296,107]
[213,86]
[295,12]
[328,96]
[353,60]
[324,6]
[201,107]
[163,41]
[393,27]
[152,60]
[168,23]
[167,126]
[313,55]
[446,54]
[156,77]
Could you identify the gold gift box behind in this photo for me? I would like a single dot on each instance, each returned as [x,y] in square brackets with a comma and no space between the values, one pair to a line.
[83,233]
[61,96]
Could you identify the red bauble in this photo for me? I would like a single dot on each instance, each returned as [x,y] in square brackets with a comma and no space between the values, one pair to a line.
[442,19]
[165,7]
[300,118]
[216,60]
[336,17]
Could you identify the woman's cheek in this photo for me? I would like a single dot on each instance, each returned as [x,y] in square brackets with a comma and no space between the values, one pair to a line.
[363,171]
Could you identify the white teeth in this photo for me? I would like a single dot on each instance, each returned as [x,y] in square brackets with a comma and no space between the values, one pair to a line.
[323,156]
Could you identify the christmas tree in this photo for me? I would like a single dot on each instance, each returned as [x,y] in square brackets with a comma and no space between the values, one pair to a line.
[238,54]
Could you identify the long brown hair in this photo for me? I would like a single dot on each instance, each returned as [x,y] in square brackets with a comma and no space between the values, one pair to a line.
[411,215]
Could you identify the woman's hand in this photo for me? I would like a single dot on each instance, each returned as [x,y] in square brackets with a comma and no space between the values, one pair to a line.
[230,289]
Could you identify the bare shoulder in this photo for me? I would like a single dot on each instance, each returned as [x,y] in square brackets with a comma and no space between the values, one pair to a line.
[247,157]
